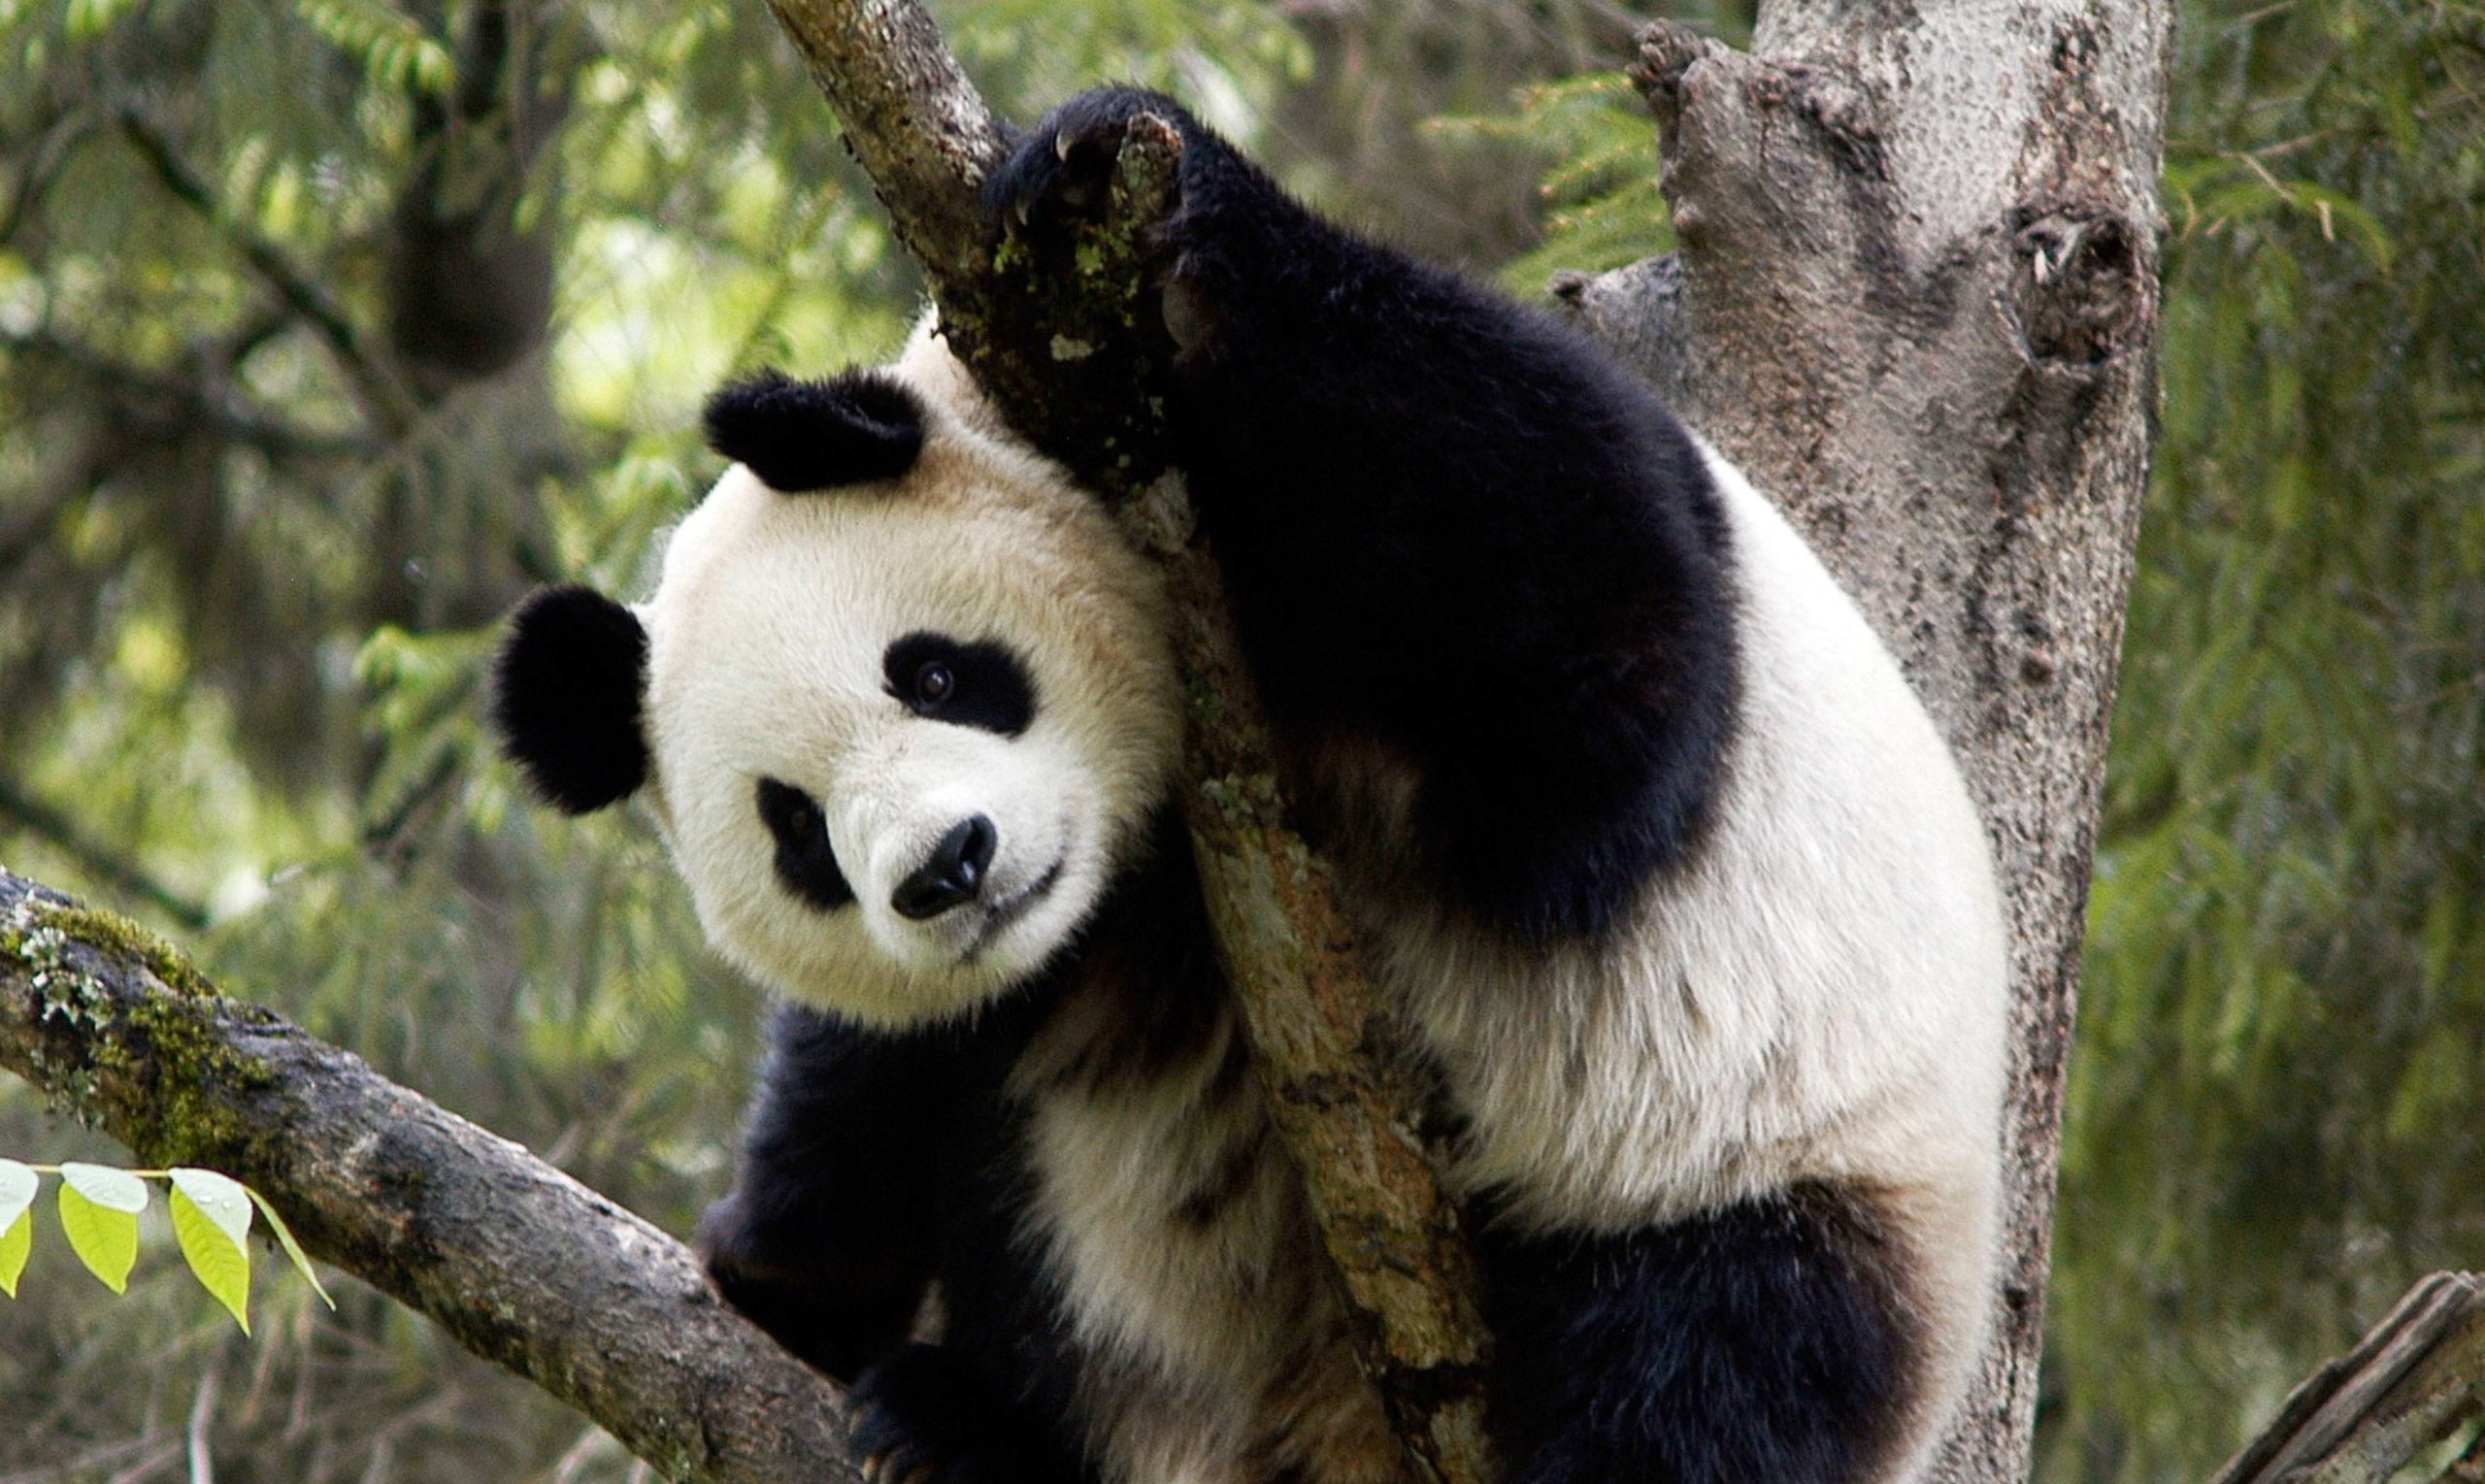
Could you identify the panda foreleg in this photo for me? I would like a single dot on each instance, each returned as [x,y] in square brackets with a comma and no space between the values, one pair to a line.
[1769,1340]
[927,1415]
[1465,549]
[850,1159]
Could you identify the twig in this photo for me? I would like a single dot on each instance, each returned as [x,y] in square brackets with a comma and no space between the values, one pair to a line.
[91,857]
[386,399]
[194,405]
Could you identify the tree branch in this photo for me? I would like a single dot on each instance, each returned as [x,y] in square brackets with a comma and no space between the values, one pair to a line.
[1063,357]
[520,1262]
[2414,1377]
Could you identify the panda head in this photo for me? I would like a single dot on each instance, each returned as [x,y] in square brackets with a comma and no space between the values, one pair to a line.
[901,700]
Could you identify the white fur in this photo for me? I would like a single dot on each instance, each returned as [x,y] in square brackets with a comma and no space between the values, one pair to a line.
[1222,1341]
[766,633]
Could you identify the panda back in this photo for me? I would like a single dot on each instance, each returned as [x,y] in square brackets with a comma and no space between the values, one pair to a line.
[1816,993]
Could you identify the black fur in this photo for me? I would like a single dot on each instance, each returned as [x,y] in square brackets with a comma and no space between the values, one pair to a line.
[800,436]
[1771,1340]
[925,1415]
[876,1162]
[567,689]
[1451,527]
[873,1161]
[986,684]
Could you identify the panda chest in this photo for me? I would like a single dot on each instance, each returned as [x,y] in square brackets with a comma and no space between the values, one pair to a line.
[1185,1262]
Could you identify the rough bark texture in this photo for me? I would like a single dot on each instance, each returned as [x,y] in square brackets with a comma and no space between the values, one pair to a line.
[1917,298]
[523,1265]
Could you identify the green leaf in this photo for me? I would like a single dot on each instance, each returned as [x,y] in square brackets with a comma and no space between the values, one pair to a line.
[99,1211]
[18,1184]
[115,1190]
[210,1218]
[292,1248]
[219,1196]
[15,1241]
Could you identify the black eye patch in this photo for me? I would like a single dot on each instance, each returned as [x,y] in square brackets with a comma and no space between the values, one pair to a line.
[984,684]
[805,862]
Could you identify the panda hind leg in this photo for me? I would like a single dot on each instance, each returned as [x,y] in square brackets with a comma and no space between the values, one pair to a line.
[1772,1340]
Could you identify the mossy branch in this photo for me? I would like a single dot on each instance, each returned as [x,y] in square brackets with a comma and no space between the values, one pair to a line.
[523,1265]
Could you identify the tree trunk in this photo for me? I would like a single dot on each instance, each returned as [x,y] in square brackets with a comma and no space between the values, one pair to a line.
[1916,299]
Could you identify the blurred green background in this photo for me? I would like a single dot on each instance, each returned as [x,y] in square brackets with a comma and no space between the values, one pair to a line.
[329,326]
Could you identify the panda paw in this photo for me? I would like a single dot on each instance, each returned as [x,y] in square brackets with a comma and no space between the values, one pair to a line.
[920,1418]
[836,1328]
[1061,170]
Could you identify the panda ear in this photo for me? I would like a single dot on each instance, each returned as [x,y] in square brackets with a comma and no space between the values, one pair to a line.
[566,697]
[801,436]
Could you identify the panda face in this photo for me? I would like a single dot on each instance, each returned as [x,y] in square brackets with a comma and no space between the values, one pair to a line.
[903,733]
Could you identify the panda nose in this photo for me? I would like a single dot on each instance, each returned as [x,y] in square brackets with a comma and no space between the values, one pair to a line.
[952,874]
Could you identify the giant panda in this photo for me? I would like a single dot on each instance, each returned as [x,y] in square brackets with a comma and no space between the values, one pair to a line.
[1670,880]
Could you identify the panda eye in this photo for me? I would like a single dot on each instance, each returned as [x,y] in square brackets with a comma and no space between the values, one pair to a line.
[980,683]
[805,862]
[791,815]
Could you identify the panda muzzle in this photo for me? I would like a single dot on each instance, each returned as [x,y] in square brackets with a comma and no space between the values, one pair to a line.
[952,875]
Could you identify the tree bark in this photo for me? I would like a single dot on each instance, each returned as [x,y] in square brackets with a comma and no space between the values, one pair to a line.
[1916,299]
[520,1262]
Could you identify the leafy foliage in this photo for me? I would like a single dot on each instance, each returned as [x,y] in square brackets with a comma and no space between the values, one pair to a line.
[2276,1118]
[1602,205]
[100,1208]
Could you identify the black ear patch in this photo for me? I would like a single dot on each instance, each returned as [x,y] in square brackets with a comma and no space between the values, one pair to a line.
[801,436]
[566,697]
